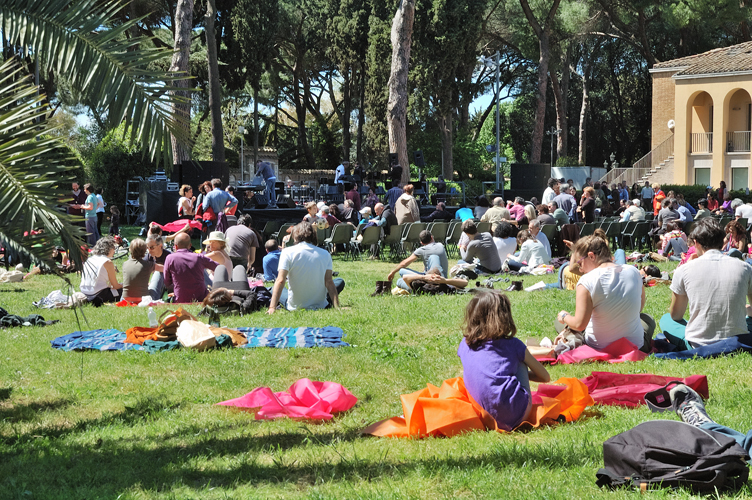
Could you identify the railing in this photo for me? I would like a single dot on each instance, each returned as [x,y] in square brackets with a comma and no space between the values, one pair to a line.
[738,142]
[643,166]
[702,142]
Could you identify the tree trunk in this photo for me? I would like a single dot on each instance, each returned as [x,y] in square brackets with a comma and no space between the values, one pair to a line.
[346,110]
[255,130]
[447,141]
[561,113]
[361,117]
[215,95]
[583,117]
[300,112]
[540,97]
[542,32]
[562,120]
[181,63]
[396,116]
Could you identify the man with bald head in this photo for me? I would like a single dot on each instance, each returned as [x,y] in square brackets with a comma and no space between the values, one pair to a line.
[497,214]
[184,271]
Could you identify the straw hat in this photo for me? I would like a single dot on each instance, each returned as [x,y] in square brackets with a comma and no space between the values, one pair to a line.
[215,236]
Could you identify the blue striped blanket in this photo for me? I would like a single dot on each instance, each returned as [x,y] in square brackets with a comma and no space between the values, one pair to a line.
[112,340]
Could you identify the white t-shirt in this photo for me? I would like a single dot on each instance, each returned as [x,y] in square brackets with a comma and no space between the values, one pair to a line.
[744,211]
[548,196]
[617,295]
[306,266]
[717,287]
[534,253]
[505,246]
[94,278]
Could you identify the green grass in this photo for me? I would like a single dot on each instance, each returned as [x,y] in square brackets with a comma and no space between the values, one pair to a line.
[134,425]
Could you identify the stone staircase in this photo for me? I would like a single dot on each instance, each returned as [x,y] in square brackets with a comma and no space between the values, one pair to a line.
[662,173]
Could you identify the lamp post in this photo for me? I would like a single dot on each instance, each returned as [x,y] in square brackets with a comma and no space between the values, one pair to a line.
[553,132]
[241,131]
[494,63]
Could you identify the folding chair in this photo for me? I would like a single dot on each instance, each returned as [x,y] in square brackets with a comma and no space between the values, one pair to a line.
[341,235]
[371,236]
[411,235]
[394,240]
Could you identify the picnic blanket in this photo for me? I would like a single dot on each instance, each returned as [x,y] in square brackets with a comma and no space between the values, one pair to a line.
[114,340]
[304,399]
[99,340]
[328,336]
[175,226]
[620,389]
[617,352]
[724,347]
[450,410]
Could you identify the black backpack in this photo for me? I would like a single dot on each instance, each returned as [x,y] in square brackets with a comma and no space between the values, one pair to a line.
[667,453]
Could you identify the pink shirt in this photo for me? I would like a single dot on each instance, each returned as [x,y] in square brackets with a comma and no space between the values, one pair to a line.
[517,211]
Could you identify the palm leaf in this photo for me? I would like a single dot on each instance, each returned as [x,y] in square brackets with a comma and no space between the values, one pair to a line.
[104,64]
[33,168]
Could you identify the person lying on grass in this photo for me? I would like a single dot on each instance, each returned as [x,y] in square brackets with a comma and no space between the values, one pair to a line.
[497,366]
[432,283]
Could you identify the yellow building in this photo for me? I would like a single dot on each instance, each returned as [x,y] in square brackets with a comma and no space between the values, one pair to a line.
[706,98]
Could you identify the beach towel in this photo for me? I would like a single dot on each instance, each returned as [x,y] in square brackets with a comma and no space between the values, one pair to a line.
[98,340]
[174,227]
[620,389]
[450,410]
[617,352]
[304,399]
[328,336]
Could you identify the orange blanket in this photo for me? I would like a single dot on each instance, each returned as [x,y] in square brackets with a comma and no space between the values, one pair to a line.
[449,410]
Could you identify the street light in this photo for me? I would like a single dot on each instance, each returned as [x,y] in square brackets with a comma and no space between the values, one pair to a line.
[553,132]
[241,131]
[494,63]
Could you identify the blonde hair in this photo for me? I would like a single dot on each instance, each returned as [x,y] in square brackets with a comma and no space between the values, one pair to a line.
[595,243]
[185,188]
[589,190]
[530,213]
[488,316]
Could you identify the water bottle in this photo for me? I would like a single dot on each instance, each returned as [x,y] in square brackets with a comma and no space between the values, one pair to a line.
[152,318]
[214,317]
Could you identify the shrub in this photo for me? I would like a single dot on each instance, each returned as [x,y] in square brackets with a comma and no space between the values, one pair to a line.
[113,162]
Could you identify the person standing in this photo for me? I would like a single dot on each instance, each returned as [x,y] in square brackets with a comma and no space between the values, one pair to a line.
[78,198]
[393,195]
[406,207]
[647,195]
[551,192]
[90,214]
[100,210]
[242,243]
[354,195]
[265,170]
[341,171]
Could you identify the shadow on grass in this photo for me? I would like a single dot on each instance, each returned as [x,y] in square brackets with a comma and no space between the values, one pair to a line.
[5,393]
[115,465]
[28,412]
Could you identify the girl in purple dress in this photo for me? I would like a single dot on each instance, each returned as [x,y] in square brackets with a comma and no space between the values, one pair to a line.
[495,363]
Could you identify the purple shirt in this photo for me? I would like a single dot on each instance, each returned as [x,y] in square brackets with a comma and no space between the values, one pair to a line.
[184,270]
[490,378]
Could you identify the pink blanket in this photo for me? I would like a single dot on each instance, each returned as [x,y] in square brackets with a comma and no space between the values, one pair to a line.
[629,389]
[304,399]
[618,352]
[175,226]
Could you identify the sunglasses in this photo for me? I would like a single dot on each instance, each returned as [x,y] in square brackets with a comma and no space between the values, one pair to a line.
[578,264]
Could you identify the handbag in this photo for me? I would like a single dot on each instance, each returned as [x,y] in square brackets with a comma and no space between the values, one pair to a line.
[195,335]
[169,321]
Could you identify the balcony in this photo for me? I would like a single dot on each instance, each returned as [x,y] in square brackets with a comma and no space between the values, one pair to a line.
[701,142]
[738,142]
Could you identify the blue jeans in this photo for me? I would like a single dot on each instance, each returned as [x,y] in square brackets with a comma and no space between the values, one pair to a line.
[620,257]
[91,230]
[270,191]
[745,441]
[156,285]
[339,284]
[401,283]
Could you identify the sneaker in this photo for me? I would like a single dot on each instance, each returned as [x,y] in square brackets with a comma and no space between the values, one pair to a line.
[689,405]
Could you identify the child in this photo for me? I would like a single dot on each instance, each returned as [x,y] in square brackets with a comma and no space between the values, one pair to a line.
[496,363]
[114,220]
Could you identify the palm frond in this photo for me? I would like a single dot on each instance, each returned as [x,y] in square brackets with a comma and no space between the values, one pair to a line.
[33,168]
[110,67]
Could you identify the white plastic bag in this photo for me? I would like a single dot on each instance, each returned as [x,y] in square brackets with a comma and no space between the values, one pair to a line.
[195,335]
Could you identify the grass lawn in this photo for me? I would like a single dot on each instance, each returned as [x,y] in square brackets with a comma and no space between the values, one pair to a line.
[135,425]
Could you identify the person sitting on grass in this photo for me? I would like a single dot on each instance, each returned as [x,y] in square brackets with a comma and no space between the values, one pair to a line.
[668,243]
[99,277]
[715,286]
[137,271]
[309,269]
[735,243]
[497,366]
[271,260]
[480,245]
[532,253]
[609,298]
[184,271]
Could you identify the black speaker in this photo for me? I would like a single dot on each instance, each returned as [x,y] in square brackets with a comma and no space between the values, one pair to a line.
[285,201]
[259,200]
[393,159]
[419,161]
